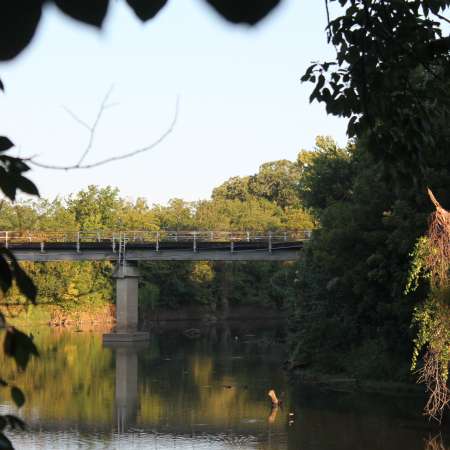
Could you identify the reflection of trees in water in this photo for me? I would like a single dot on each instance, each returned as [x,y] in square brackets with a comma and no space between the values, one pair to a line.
[175,382]
[435,443]
[73,376]
[219,379]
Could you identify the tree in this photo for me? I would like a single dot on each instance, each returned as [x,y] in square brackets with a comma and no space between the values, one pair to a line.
[277,181]
[390,79]
[16,344]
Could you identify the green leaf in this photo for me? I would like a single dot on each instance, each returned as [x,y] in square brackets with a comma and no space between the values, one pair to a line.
[5,143]
[18,396]
[146,9]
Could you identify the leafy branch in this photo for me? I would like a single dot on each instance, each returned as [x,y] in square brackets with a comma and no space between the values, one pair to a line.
[16,344]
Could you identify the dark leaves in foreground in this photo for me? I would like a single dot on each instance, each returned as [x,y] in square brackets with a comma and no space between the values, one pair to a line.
[244,11]
[14,423]
[11,173]
[19,19]
[18,22]
[91,12]
[146,9]
[17,396]
[19,346]
[10,269]
[5,443]
[5,143]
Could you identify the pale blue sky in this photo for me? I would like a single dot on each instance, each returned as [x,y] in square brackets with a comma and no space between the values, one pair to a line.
[241,100]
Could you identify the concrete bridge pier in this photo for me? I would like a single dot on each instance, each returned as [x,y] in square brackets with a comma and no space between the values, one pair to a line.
[127,287]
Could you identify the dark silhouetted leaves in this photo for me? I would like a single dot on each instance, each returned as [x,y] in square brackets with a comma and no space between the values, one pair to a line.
[146,9]
[14,422]
[399,109]
[6,274]
[11,178]
[5,144]
[5,443]
[24,282]
[17,396]
[19,346]
[18,22]
[27,186]
[9,269]
[88,11]
[244,11]
[2,86]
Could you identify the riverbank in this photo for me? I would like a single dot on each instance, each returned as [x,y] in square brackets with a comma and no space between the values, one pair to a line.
[103,316]
[343,383]
[93,318]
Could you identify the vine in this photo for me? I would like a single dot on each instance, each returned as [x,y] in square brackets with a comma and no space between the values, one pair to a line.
[431,262]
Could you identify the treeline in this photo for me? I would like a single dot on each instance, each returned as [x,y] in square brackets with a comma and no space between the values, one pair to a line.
[267,200]
[350,313]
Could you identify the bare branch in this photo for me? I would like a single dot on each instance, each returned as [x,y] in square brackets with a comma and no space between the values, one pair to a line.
[92,129]
[443,18]
[94,126]
[76,118]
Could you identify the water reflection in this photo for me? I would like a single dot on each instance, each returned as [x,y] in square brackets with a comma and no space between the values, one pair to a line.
[204,389]
[435,442]
[126,382]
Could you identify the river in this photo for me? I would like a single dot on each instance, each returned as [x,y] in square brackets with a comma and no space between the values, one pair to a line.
[192,389]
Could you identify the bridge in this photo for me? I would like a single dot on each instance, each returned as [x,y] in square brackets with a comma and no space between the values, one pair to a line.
[127,248]
[154,245]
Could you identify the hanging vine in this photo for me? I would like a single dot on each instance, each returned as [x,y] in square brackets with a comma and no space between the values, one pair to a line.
[431,262]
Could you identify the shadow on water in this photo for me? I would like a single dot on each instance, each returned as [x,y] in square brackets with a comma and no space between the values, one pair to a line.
[199,388]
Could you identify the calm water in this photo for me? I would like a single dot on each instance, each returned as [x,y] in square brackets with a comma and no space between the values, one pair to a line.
[208,392]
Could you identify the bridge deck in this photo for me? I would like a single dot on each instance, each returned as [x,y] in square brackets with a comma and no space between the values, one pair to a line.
[160,245]
[163,251]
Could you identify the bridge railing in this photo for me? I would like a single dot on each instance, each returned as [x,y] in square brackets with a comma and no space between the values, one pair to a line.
[22,237]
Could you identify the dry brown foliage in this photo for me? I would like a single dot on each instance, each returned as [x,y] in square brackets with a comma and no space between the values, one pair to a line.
[438,393]
[439,236]
[433,374]
[435,443]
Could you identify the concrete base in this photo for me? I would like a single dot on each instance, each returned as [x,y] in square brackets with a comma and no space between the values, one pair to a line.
[131,336]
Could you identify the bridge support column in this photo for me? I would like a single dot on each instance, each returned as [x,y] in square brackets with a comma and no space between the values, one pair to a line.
[127,280]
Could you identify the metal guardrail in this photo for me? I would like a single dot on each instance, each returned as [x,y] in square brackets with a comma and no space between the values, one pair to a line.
[20,237]
[118,241]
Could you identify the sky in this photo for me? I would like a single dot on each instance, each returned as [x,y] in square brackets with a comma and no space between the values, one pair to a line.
[241,102]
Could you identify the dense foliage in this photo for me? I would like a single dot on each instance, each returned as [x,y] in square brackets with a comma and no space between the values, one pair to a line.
[350,314]
[267,200]
[390,79]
